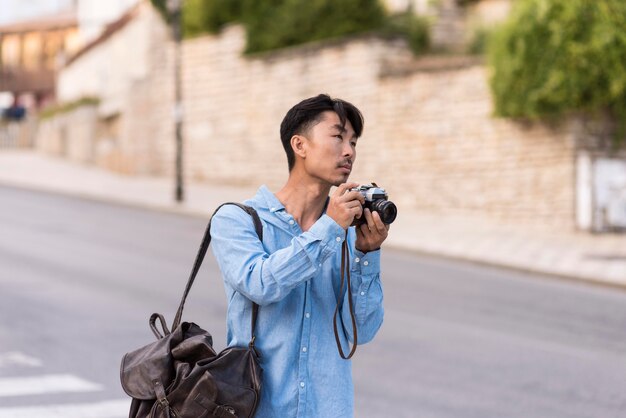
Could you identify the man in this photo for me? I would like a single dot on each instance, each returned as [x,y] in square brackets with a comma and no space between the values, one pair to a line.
[294,274]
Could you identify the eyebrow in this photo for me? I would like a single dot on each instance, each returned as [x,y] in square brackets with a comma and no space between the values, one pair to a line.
[340,128]
[343,130]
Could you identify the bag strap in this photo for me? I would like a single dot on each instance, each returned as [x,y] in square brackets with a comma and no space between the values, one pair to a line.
[345,268]
[206,240]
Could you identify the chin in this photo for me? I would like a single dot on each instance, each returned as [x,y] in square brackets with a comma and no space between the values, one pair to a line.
[340,181]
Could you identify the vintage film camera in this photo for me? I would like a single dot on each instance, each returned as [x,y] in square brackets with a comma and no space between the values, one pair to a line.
[376,200]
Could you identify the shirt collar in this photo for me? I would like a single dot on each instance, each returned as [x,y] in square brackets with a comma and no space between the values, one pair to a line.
[269,200]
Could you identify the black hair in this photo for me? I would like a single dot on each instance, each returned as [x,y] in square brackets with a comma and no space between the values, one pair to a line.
[306,114]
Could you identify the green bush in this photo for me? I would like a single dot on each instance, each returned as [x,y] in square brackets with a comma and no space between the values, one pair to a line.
[280,23]
[479,40]
[274,24]
[160,6]
[201,16]
[557,56]
[415,28]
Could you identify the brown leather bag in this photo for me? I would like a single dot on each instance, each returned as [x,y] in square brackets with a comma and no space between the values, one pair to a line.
[181,376]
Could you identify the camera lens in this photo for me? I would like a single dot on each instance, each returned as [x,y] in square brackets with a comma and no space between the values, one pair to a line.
[386,209]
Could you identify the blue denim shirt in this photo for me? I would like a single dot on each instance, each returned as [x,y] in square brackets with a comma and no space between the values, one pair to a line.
[294,276]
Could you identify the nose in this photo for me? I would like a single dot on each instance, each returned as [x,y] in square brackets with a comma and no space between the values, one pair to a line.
[348,150]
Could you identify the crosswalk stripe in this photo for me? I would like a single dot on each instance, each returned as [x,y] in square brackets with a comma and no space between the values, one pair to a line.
[105,409]
[52,383]
[18,359]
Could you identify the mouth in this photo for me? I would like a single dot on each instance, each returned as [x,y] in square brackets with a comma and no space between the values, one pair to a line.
[347,168]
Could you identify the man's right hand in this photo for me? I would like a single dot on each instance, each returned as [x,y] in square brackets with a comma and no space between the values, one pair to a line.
[345,205]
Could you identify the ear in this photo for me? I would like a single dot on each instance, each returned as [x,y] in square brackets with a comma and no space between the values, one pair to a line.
[298,144]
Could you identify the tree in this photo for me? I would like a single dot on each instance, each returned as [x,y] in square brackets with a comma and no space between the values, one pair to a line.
[556,56]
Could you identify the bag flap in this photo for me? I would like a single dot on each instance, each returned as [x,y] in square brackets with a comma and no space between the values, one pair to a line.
[141,367]
[188,343]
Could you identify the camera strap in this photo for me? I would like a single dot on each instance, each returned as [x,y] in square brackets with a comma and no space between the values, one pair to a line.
[345,270]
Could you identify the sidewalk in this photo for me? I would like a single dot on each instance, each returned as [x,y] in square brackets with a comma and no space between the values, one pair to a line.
[599,259]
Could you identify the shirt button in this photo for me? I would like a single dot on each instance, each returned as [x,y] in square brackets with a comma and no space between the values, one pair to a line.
[338,239]
[291,222]
[320,264]
[308,315]
[301,384]
[304,349]
[365,263]
[357,259]
[362,293]
[273,209]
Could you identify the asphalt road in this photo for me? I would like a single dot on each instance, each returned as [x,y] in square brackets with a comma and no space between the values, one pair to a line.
[79,279]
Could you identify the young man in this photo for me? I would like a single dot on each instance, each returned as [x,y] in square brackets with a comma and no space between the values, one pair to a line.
[294,274]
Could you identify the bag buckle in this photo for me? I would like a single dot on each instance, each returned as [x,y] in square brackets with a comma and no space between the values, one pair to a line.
[224,411]
[161,398]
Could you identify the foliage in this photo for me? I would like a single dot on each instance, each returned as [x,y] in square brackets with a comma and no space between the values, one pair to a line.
[293,22]
[274,24]
[160,6]
[556,56]
[479,40]
[201,16]
[415,28]
[57,109]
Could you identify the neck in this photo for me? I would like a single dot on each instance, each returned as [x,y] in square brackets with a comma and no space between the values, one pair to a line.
[304,199]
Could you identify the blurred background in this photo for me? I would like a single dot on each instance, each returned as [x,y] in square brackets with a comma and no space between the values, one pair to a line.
[497,126]
[525,128]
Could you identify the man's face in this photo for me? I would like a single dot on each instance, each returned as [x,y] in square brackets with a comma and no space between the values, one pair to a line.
[330,150]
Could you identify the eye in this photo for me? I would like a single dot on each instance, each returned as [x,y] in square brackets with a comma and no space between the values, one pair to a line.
[353,143]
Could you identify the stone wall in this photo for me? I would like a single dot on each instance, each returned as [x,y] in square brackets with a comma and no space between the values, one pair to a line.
[454,157]
[234,105]
[70,135]
[429,135]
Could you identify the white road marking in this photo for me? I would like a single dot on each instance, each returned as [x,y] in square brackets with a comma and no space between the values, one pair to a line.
[18,359]
[53,383]
[105,409]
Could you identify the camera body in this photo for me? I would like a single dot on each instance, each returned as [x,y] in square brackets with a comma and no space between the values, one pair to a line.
[376,200]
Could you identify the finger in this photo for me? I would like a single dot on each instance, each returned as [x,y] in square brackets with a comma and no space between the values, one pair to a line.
[356,211]
[358,208]
[378,224]
[354,204]
[353,196]
[365,230]
[343,187]
[368,218]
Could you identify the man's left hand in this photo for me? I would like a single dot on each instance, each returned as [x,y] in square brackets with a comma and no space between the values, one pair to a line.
[370,235]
